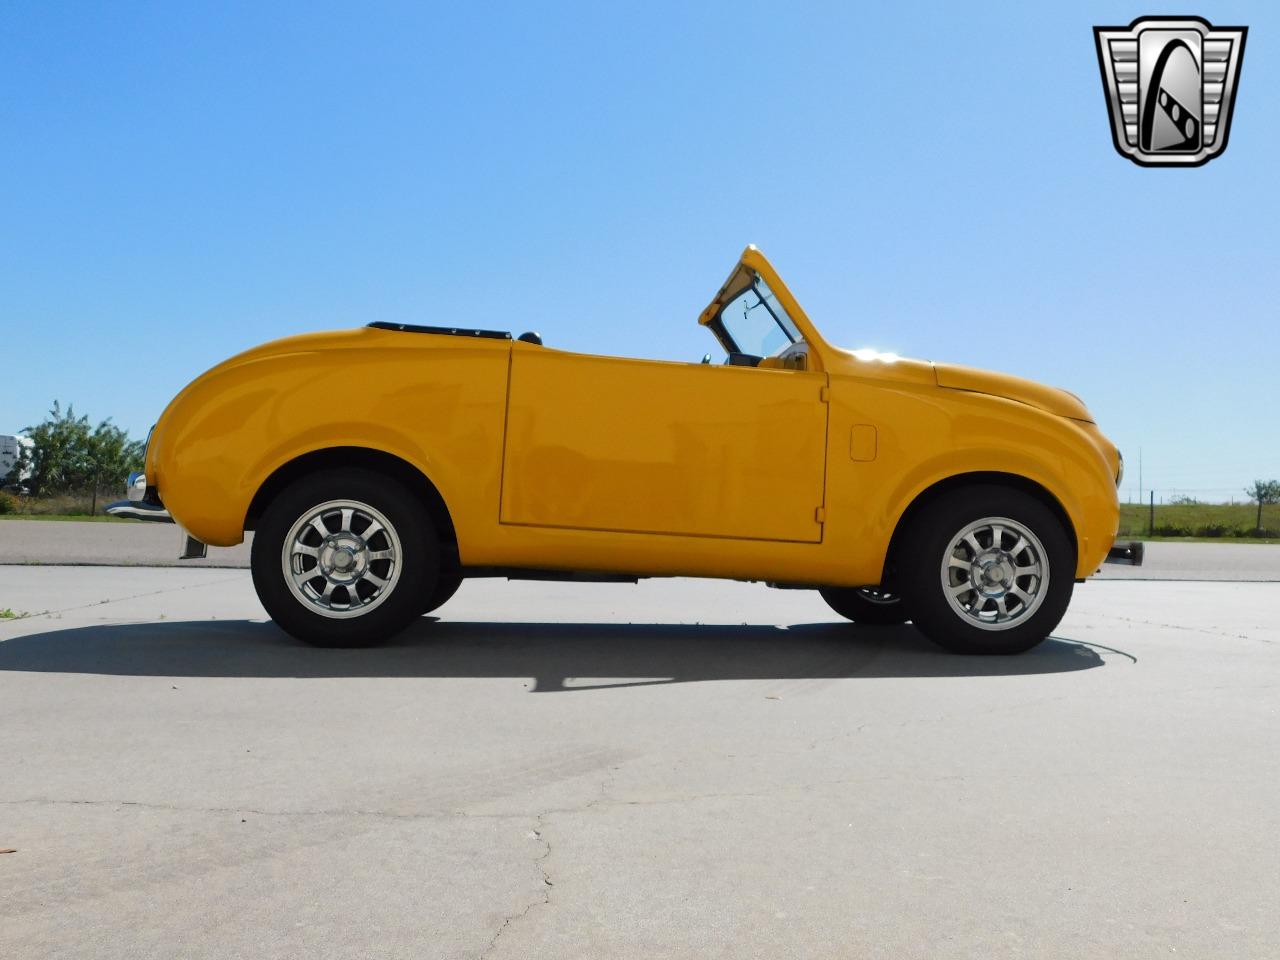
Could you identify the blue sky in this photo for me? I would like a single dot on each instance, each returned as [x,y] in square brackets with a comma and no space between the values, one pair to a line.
[182,181]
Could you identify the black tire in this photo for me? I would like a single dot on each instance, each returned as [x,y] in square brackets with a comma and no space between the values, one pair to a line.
[447,584]
[866,605]
[958,625]
[365,614]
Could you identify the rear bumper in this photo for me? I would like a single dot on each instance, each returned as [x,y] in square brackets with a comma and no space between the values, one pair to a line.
[139,510]
[1128,553]
[190,548]
[142,502]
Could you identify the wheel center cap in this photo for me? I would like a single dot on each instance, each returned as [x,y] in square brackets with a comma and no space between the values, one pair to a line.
[343,560]
[992,576]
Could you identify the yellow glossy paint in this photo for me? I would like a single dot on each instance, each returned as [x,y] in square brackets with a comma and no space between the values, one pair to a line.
[680,448]
[862,442]
[557,460]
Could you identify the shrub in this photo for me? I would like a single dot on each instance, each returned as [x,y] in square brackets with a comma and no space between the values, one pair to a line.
[8,503]
[1217,530]
[1171,530]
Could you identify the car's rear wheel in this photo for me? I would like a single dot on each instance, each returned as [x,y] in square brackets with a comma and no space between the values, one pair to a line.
[866,605]
[344,558]
[987,569]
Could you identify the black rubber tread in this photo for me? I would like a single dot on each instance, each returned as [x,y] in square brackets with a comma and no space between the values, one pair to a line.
[447,584]
[853,605]
[921,554]
[419,566]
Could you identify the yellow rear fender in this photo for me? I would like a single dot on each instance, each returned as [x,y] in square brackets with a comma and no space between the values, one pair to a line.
[408,474]
[434,403]
[217,501]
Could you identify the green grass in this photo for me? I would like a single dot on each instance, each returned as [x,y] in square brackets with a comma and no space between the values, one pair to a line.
[1145,539]
[1204,521]
[78,505]
[82,517]
[8,614]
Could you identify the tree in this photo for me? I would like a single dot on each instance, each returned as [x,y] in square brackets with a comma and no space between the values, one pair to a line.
[58,454]
[1263,492]
[68,456]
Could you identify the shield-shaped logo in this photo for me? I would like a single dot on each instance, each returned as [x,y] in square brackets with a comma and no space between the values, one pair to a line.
[1170,84]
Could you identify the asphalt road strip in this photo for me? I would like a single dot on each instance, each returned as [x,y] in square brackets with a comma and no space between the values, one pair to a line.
[76,543]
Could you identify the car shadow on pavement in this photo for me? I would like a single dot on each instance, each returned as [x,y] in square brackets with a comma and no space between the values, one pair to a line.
[558,656]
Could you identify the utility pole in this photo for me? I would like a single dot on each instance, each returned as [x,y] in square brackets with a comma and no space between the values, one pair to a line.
[1139,474]
[1151,516]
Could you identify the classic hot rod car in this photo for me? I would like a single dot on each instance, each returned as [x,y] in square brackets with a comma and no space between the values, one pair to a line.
[380,466]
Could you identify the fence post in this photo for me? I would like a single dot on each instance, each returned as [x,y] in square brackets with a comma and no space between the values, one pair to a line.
[1151,516]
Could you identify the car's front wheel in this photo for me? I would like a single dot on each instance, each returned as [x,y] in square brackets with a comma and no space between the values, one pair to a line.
[344,558]
[866,605]
[447,584]
[987,569]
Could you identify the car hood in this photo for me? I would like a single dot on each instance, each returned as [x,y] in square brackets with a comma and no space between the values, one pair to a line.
[873,364]
[1052,399]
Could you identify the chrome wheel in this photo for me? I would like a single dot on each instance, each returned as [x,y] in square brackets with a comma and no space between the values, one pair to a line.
[876,595]
[342,558]
[995,573]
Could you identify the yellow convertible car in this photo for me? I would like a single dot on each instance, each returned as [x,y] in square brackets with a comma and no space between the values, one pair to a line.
[378,467]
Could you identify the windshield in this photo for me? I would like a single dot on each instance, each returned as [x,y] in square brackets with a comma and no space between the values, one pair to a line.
[756,322]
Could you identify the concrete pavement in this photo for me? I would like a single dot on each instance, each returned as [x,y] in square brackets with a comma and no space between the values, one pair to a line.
[136,543]
[673,769]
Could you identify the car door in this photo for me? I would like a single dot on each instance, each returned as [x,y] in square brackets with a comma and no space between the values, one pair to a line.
[603,443]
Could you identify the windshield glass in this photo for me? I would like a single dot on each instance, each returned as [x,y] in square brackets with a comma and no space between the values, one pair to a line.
[757,322]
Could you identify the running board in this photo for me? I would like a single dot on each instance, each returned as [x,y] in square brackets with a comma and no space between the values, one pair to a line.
[563,576]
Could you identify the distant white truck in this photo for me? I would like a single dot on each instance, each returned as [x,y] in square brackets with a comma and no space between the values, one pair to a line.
[10,448]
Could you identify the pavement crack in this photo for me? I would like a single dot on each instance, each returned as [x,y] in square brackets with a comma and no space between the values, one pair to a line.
[132,596]
[539,834]
[336,812]
[1179,626]
[606,785]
